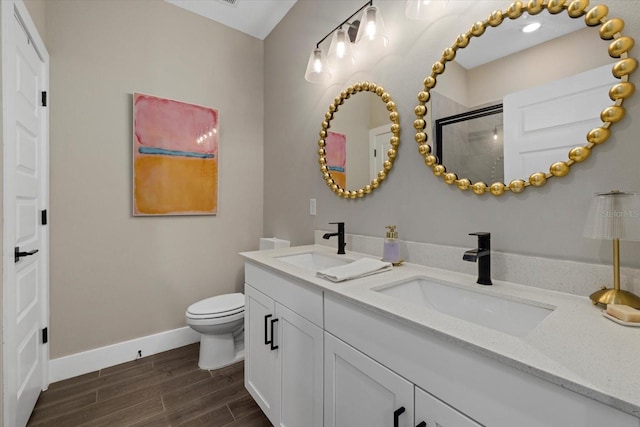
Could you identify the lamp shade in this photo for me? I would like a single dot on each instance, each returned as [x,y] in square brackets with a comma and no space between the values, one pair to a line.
[340,50]
[317,67]
[371,32]
[424,9]
[614,215]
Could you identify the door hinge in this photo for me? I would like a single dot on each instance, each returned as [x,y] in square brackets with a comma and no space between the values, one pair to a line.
[45,335]
[43,217]
[44,98]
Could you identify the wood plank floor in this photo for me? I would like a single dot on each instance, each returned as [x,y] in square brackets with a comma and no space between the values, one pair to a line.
[166,389]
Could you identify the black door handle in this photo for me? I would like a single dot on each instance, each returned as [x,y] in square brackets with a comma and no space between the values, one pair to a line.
[396,415]
[19,254]
[422,424]
[266,329]
[273,347]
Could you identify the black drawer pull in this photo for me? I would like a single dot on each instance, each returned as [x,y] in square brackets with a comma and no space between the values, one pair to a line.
[396,415]
[273,347]
[266,329]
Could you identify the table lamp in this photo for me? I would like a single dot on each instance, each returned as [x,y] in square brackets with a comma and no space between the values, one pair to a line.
[616,216]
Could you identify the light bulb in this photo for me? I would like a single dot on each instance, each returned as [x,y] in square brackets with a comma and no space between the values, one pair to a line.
[317,61]
[371,24]
[340,49]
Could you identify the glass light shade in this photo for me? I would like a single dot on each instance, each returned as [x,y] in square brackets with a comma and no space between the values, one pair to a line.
[340,49]
[371,31]
[614,215]
[424,9]
[317,67]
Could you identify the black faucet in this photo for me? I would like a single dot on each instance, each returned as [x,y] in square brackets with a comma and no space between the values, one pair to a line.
[481,255]
[340,234]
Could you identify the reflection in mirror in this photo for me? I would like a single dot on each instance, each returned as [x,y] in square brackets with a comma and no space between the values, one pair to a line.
[472,142]
[358,140]
[553,93]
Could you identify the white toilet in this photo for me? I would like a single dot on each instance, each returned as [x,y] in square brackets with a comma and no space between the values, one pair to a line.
[220,322]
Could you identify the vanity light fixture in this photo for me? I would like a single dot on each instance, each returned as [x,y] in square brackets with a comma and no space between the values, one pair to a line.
[368,33]
[614,215]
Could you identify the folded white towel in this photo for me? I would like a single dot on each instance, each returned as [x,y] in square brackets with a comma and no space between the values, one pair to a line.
[360,268]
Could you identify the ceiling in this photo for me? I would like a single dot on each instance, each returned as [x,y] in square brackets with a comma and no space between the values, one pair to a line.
[254,17]
[508,38]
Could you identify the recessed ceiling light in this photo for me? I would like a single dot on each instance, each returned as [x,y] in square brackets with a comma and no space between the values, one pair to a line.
[531,27]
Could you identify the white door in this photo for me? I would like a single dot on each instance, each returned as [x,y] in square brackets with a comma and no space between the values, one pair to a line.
[25,186]
[543,123]
[379,144]
[360,392]
[300,366]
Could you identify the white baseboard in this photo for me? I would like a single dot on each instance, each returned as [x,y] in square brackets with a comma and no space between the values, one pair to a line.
[103,357]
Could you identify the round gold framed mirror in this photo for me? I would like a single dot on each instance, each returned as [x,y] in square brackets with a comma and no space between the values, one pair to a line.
[617,90]
[352,144]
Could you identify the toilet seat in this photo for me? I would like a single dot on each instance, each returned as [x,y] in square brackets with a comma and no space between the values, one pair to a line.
[221,306]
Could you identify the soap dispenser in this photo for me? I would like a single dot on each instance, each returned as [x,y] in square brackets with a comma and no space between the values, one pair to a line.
[391,250]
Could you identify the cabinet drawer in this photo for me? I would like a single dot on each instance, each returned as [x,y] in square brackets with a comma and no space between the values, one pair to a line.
[434,412]
[297,296]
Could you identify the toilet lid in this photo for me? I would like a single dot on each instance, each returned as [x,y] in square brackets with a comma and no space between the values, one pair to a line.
[221,304]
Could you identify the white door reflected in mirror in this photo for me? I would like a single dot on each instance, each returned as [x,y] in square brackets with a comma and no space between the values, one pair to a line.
[378,146]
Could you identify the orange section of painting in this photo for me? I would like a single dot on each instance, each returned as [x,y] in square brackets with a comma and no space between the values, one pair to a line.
[339,178]
[166,185]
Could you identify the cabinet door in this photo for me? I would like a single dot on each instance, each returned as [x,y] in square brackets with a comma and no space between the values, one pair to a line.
[434,412]
[260,376]
[360,392]
[300,368]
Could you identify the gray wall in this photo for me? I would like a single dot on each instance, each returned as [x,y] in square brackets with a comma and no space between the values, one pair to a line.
[546,221]
[115,277]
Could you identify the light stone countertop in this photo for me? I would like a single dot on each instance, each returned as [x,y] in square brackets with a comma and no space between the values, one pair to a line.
[575,347]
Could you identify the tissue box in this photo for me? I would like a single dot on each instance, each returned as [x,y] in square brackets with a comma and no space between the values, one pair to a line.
[273,243]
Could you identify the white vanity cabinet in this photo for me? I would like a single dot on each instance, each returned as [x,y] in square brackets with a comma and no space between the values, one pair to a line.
[283,348]
[470,389]
[361,392]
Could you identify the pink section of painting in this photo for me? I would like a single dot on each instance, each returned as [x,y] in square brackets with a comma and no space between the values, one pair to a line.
[336,151]
[172,125]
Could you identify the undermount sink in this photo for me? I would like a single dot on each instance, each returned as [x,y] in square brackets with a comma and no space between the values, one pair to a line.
[510,316]
[314,261]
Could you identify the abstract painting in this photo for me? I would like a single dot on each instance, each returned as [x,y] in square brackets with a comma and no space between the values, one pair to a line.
[336,155]
[175,157]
